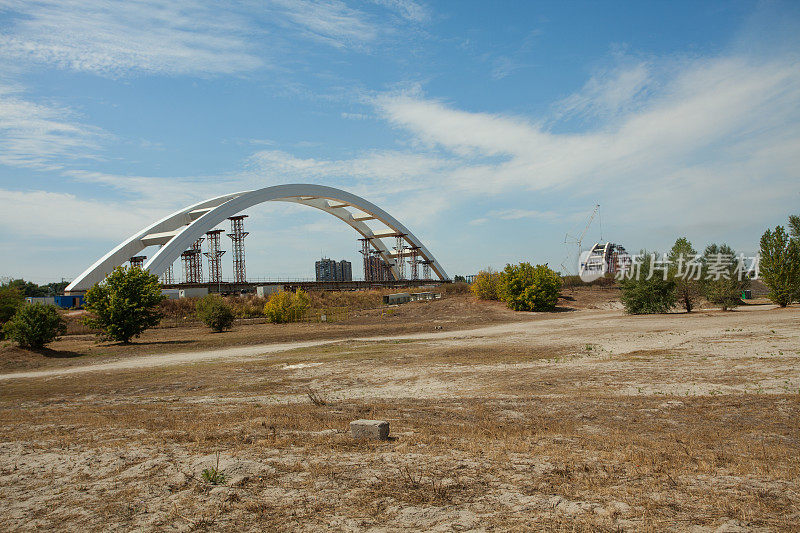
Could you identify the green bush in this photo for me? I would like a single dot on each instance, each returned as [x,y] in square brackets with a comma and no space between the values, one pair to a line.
[215,312]
[124,304]
[780,265]
[486,285]
[642,296]
[530,288]
[35,325]
[286,306]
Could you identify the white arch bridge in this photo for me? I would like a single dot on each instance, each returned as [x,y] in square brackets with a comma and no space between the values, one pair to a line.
[177,232]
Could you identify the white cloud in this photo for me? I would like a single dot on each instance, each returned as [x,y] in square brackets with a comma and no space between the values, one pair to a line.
[167,193]
[707,115]
[378,172]
[328,21]
[610,92]
[517,214]
[41,136]
[408,9]
[66,216]
[116,37]
[693,142]
[191,37]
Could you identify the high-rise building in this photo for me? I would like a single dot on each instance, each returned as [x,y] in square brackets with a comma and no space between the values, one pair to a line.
[325,269]
[344,271]
[330,270]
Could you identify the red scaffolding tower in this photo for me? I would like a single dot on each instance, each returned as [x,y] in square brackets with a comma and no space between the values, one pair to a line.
[214,255]
[426,270]
[375,268]
[413,253]
[168,278]
[237,236]
[192,263]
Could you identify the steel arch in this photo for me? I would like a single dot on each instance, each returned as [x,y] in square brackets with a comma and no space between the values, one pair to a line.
[176,232]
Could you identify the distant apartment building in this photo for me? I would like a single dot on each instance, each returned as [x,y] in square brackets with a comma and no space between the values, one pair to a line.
[344,271]
[330,270]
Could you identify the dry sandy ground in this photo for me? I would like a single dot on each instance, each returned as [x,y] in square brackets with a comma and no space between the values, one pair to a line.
[584,420]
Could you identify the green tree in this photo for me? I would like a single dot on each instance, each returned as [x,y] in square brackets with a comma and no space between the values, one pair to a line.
[530,288]
[10,300]
[215,312]
[458,278]
[124,304]
[27,288]
[722,284]
[779,265]
[286,306]
[687,288]
[35,325]
[487,284]
[794,226]
[646,291]
[794,231]
[55,288]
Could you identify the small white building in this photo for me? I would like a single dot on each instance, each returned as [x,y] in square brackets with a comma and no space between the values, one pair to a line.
[265,290]
[195,292]
[47,300]
[171,294]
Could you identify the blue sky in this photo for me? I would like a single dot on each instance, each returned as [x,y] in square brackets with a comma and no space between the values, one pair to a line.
[490,129]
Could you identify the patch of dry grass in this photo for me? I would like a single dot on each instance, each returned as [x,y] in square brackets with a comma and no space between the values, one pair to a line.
[504,433]
[535,459]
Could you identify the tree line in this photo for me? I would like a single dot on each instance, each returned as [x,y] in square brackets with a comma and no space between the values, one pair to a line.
[720,282]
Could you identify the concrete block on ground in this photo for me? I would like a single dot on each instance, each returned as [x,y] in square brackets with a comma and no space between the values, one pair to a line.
[369,429]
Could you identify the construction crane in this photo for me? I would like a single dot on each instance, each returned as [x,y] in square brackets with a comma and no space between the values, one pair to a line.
[578,241]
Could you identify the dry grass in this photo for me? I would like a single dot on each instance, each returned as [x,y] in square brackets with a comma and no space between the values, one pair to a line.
[300,469]
[522,433]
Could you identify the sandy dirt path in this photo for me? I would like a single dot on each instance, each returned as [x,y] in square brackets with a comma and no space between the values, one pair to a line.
[470,336]
[617,332]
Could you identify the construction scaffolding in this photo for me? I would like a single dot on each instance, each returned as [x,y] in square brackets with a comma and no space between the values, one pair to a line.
[192,263]
[366,252]
[168,278]
[413,253]
[426,270]
[375,268]
[400,250]
[137,261]
[381,270]
[237,236]
[214,255]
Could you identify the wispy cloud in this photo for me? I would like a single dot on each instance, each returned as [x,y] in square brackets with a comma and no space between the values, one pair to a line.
[56,216]
[517,214]
[329,21]
[408,9]
[665,135]
[610,92]
[192,37]
[115,38]
[710,114]
[382,172]
[42,136]
[514,214]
